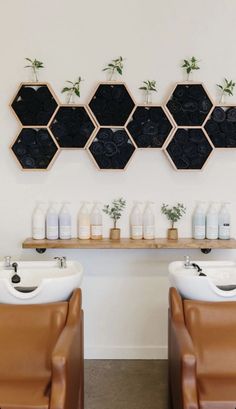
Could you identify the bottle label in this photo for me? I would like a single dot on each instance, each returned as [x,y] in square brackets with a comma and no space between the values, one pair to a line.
[212,232]
[52,232]
[84,232]
[224,231]
[148,232]
[96,230]
[65,232]
[38,233]
[137,231]
[199,232]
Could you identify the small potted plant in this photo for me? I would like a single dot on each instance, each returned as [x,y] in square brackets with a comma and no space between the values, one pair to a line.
[72,90]
[227,88]
[190,66]
[114,210]
[35,66]
[115,67]
[173,214]
[148,87]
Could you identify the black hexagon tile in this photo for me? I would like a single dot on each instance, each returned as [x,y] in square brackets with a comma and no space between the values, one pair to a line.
[35,148]
[72,126]
[221,127]
[189,104]
[34,104]
[189,149]
[149,126]
[111,104]
[111,148]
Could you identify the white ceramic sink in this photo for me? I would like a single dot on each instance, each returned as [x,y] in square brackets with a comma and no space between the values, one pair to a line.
[219,284]
[45,281]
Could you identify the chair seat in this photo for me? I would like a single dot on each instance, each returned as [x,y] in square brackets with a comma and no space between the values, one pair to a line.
[24,394]
[217,393]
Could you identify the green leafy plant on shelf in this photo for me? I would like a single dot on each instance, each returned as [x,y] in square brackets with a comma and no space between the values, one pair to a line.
[148,87]
[190,66]
[173,214]
[72,90]
[35,66]
[115,66]
[114,210]
[227,88]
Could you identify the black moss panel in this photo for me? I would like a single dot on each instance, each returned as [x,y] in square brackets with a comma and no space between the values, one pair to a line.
[189,148]
[112,149]
[111,104]
[34,148]
[149,127]
[72,127]
[34,105]
[189,105]
[221,127]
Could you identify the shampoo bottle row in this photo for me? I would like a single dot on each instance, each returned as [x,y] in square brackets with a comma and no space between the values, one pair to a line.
[142,224]
[211,225]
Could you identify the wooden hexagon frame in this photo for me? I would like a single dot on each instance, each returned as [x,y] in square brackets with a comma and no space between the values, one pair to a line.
[91,116]
[94,160]
[218,105]
[173,124]
[94,92]
[208,95]
[36,169]
[33,84]
[170,159]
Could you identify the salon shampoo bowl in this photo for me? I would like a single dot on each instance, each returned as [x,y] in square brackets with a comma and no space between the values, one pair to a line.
[217,284]
[41,282]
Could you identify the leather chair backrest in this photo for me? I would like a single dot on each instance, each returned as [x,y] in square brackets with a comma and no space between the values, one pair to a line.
[28,334]
[212,327]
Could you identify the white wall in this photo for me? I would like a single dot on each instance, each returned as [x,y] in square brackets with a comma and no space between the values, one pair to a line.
[125,292]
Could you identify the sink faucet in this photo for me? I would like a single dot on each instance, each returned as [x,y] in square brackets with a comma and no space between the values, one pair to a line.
[62,261]
[12,266]
[7,262]
[188,264]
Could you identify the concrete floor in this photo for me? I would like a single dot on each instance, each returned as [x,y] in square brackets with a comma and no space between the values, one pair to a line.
[125,384]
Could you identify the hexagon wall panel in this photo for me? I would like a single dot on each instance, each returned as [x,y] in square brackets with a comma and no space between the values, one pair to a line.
[149,126]
[221,127]
[111,148]
[35,148]
[189,104]
[34,104]
[189,149]
[111,104]
[72,126]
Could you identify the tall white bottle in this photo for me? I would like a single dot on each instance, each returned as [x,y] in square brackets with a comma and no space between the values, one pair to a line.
[224,222]
[96,222]
[212,222]
[65,222]
[39,222]
[52,230]
[148,222]
[199,222]
[136,222]
[84,222]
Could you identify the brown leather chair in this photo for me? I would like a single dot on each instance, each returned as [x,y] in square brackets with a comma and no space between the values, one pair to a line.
[202,354]
[41,355]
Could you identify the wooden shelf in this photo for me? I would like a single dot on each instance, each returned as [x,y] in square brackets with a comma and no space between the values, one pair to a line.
[126,243]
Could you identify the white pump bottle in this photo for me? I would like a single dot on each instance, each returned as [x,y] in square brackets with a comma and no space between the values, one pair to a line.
[84,222]
[199,222]
[39,222]
[224,222]
[212,222]
[136,222]
[96,222]
[52,223]
[148,222]
[65,222]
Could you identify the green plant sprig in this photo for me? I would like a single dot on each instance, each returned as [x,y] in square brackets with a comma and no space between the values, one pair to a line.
[190,65]
[35,65]
[115,209]
[174,213]
[149,86]
[226,88]
[116,65]
[73,88]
